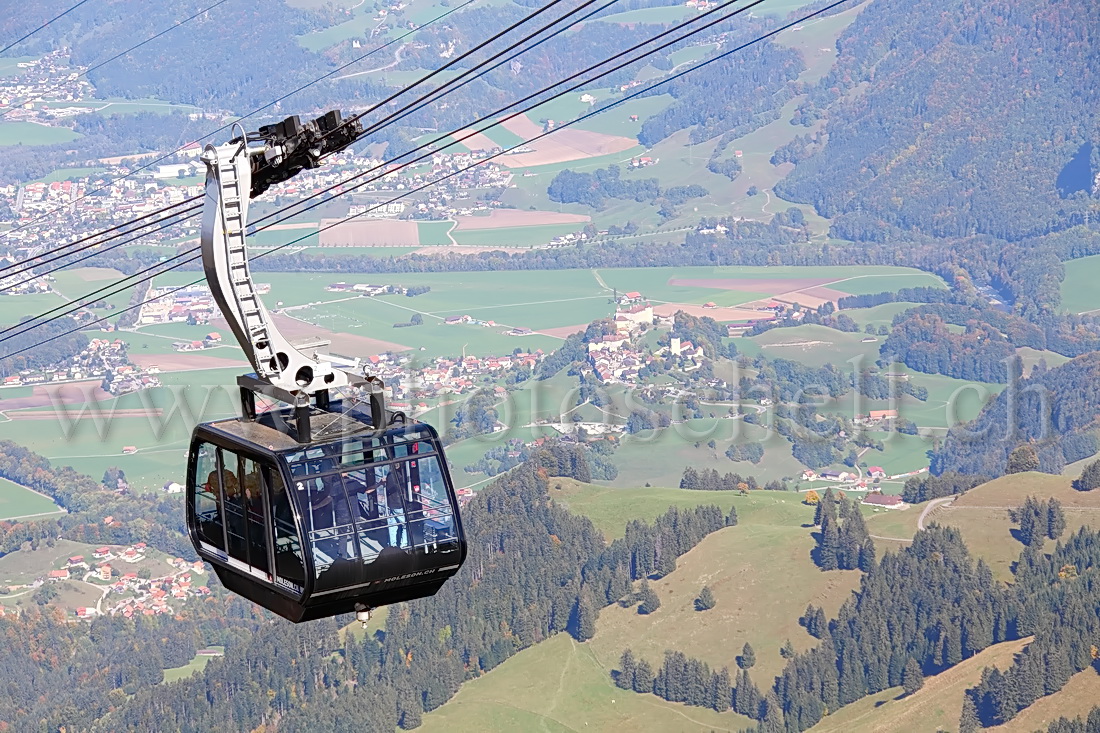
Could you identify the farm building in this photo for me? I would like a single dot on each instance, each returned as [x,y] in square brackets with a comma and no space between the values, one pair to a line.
[886,501]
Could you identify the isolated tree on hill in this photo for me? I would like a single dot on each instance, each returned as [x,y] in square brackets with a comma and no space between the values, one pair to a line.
[705,601]
[625,678]
[1023,458]
[1090,477]
[1056,519]
[811,498]
[912,678]
[650,601]
[747,658]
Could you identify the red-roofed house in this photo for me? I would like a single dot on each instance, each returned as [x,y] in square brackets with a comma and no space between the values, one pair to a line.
[62,574]
[876,472]
[886,501]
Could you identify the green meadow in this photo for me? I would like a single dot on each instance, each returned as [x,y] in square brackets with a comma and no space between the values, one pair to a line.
[31,133]
[1079,291]
[19,501]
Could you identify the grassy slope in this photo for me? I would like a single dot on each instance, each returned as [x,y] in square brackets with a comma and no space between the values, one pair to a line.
[982,514]
[935,707]
[761,574]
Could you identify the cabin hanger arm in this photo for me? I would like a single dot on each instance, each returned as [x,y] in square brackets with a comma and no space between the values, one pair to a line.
[237,172]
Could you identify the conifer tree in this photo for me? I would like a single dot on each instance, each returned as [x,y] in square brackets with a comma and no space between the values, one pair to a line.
[625,678]
[585,614]
[731,518]
[912,678]
[867,555]
[705,601]
[747,658]
[650,601]
[787,650]
[1056,519]
[643,677]
[409,710]
[968,721]
[830,543]
[1089,478]
[746,696]
[773,716]
[720,699]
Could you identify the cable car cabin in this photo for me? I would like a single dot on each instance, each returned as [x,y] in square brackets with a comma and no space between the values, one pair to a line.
[358,519]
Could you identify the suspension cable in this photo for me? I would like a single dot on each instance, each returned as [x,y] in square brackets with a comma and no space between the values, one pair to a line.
[639,92]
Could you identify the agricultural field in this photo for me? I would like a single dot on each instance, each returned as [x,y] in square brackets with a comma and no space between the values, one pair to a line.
[19,501]
[14,308]
[10,64]
[879,315]
[197,664]
[1079,291]
[663,15]
[358,27]
[526,236]
[70,174]
[816,346]
[75,283]
[432,233]
[31,133]
[1032,357]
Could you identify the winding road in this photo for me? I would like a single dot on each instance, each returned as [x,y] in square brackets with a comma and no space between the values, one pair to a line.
[395,62]
[932,505]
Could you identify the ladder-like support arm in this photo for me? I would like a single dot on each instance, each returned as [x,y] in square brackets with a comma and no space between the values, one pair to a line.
[225,261]
[236,172]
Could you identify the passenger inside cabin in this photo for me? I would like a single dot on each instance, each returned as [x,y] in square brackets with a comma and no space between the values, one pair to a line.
[395,488]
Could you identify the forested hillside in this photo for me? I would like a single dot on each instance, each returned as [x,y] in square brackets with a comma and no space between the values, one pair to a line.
[1054,410]
[959,117]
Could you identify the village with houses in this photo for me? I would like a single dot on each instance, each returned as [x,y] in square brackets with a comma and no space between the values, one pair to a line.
[127,581]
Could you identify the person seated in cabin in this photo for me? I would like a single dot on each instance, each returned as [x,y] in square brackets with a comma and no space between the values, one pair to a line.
[253,495]
[368,497]
[320,505]
[234,514]
[395,489]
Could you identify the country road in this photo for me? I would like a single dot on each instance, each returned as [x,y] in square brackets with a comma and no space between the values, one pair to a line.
[932,505]
[396,60]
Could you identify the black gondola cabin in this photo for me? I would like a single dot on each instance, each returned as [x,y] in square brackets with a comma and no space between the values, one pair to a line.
[354,518]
